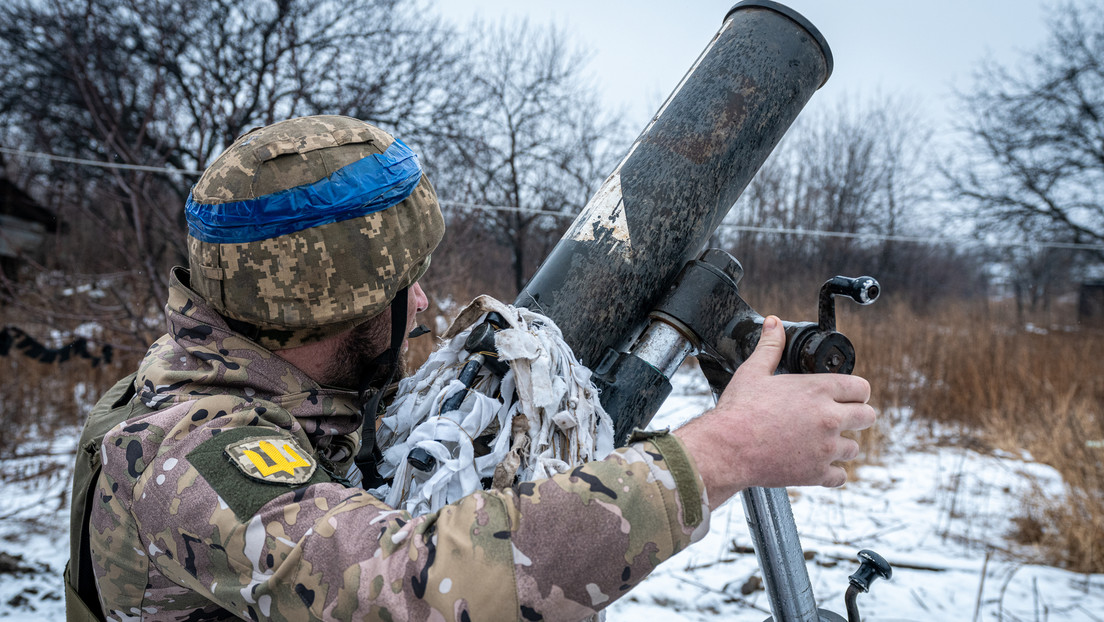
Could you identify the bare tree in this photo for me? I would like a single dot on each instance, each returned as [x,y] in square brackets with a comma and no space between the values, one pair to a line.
[536,141]
[170,83]
[1034,163]
[858,168]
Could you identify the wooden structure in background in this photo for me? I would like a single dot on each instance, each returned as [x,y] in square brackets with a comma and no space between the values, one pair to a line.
[24,225]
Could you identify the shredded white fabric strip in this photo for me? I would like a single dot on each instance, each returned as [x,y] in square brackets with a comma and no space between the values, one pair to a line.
[541,418]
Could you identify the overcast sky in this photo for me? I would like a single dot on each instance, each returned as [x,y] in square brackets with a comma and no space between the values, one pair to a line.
[914,50]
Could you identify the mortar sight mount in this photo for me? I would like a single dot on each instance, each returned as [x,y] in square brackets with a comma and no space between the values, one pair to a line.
[703,314]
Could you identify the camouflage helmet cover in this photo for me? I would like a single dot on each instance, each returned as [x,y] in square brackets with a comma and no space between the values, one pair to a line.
[310,226]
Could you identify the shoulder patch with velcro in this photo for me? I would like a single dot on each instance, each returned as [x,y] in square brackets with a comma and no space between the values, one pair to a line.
[250,466]
[273,460]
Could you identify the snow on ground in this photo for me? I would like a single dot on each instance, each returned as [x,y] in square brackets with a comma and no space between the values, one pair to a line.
[34,529]
[937,511]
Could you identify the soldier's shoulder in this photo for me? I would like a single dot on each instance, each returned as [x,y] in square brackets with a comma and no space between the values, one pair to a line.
[248,460]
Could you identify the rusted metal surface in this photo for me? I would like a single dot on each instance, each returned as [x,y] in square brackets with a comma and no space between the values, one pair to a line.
[679,180]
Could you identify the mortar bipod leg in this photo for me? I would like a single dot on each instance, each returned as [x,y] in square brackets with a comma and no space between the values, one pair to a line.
[778,549]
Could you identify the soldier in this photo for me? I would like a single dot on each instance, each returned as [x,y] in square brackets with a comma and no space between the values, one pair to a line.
[219,481]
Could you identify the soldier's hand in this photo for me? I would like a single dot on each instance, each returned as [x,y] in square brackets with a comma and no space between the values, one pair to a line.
[783,430]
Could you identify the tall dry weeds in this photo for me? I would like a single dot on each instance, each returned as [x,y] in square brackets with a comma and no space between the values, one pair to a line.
[38,399]
[1069,523]
[1012,387]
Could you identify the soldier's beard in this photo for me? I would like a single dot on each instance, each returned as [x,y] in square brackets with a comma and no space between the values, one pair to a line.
[355,358]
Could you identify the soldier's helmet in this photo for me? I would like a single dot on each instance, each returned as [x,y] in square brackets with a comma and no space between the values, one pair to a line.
[308,227]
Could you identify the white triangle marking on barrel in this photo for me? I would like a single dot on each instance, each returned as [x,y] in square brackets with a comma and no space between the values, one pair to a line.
[605,210]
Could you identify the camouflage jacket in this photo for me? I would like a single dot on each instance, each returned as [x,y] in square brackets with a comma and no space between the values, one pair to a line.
[221,503]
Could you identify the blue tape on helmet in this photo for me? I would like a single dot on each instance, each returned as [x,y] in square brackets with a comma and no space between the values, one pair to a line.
[371,184]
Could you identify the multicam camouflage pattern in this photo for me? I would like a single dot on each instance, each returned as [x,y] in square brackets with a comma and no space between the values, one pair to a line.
[178,532]
[318,282]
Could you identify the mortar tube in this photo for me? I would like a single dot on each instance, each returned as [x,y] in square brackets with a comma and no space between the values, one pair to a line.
[659,207]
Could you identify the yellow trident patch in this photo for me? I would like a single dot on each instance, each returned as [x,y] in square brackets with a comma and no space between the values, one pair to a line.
[274,459]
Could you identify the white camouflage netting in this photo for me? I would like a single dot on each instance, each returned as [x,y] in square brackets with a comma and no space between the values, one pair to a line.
[543,414]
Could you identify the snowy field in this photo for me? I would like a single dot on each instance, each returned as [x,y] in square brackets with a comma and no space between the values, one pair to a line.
[938,512]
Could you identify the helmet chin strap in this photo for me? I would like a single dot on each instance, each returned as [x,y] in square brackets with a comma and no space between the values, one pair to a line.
[383,367]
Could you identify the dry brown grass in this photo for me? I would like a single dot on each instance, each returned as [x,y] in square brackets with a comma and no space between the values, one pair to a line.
[37,399]
[1011,388]
[1070,524]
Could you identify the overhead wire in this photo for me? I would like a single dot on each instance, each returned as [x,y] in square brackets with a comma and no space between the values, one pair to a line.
[932,240]
[884,237]
[98,163]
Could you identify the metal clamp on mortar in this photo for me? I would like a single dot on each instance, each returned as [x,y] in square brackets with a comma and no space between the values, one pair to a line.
[704,315]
